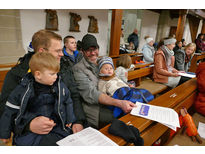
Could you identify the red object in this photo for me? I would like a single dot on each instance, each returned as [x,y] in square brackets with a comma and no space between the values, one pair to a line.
[200,100]
[191,129]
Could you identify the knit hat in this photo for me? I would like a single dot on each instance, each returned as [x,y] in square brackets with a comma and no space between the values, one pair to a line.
[149,39]
[89,41]
[105,60]
[170,41]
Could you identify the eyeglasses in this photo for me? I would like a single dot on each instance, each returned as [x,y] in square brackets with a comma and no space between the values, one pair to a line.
[91,50]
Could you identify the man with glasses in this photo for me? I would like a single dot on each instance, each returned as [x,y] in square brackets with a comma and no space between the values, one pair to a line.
[86,75]
[43,41]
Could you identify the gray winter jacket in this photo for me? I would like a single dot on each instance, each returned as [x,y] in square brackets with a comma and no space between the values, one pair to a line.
[180,61]
[86,76]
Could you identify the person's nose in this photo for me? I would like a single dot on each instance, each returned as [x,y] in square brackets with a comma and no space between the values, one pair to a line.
[60,53]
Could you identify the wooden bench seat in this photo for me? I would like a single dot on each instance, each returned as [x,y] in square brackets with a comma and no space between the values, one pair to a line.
[181,96]
[153,87]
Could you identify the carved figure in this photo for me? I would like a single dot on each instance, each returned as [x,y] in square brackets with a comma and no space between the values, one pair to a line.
[93,25]
[74,19]
[51,19]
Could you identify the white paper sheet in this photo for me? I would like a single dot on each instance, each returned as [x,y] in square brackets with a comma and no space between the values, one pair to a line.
[163,115]
[87,137]
[187,75]
[201,129]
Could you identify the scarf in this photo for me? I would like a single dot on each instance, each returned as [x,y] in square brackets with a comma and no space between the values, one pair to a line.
[168,55]
[106,78]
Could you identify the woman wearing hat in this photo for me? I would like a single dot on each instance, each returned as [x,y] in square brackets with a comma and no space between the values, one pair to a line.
[164,71]
[148,50]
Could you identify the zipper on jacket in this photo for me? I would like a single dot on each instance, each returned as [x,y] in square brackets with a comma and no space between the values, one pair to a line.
[22,102]
[59,105]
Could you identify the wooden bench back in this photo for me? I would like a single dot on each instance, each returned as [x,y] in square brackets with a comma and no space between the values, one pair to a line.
[134,57]
[150,130]
[194,61]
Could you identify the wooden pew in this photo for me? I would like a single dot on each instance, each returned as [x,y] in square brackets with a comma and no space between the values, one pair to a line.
[4,68]
[134,57]
[154,87]
[150,130]
[195,59]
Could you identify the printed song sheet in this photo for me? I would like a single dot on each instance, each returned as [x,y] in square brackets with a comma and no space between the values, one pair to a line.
[187,75]
[87,137]
[164,115]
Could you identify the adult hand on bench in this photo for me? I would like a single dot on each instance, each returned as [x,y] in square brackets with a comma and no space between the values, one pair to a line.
[41,125]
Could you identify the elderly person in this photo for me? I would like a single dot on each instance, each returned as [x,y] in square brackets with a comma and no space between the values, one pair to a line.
[133,39]
[148,50]
[164,71]
[86,73]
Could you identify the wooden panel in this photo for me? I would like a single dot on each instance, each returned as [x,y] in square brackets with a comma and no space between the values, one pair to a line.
[194,61]
[2,76]
[115,31]
[203,27]
[181,24]
[193,24]
[140,73]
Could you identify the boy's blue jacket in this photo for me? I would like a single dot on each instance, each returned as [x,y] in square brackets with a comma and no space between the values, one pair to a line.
[14,119]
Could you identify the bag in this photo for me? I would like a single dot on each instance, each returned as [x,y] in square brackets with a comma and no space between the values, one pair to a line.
[131,94]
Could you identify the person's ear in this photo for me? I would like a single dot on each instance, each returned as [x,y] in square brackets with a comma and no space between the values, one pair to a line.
[37,75]
[41,50]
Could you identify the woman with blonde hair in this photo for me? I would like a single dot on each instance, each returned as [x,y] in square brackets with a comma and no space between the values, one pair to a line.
[183,57]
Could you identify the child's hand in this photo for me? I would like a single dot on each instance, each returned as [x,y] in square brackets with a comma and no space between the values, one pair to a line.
[130,85]
[5,140]
[68,125]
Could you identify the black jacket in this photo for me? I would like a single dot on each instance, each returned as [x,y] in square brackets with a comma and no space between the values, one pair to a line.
[15,75]
[16,116]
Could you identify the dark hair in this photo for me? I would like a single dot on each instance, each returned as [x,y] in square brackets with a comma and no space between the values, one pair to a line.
[79,45]
[201,34]
[67,37]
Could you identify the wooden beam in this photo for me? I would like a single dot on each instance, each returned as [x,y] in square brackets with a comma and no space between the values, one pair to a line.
[198,13]
[115,32]
[203,27]
[181,24]
[193,24]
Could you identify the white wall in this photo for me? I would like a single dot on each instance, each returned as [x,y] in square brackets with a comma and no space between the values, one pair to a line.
[34,20]
[148,26]
[187,33]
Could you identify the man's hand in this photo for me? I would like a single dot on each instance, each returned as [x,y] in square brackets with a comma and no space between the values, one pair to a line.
[41,125]
[127,106]
[77,127]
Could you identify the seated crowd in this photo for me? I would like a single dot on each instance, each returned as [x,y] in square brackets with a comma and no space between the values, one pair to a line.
[53,92]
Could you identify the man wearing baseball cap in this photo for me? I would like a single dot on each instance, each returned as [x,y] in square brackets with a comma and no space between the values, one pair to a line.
[86,75]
